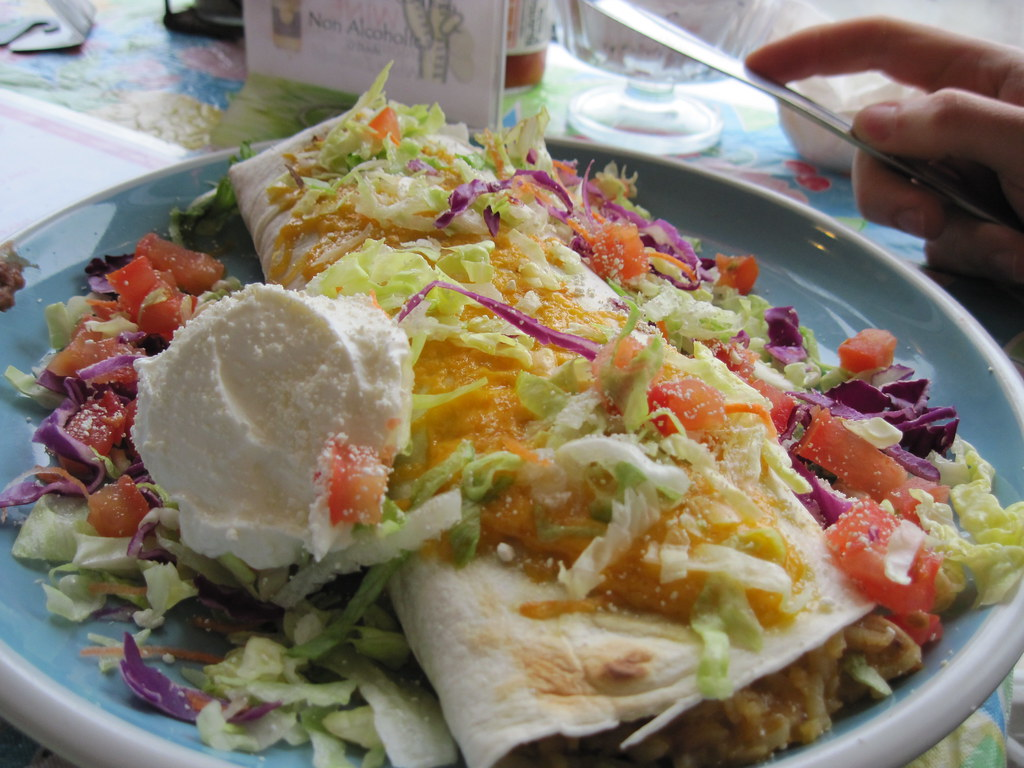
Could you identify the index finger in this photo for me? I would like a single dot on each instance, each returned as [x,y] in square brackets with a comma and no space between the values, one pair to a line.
[913,54]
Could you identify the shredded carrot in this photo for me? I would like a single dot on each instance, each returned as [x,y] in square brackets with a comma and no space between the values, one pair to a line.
[683,266]
[373,299]
[580,230]
[196,699]
[563,166]
[755,408]
[515,446]
[149,651]
[529,185]
[49,474]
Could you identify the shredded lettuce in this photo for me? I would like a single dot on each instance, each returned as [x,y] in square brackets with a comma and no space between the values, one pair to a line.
[71,598]
[541,396]
[406,716]
[993,548]
[352,136]
[637,509]
[465,535]
[856,666]
[49,532]
[431,481]
[165,588]
[421,403]
[486,475]
[722,617]
[61,319]
[744,569]
[216,731]
[27,385]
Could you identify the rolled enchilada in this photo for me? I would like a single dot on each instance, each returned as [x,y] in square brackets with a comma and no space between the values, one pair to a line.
[631,542]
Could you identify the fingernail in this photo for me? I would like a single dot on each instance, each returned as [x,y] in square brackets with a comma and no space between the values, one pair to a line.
[910,221]
[877,121]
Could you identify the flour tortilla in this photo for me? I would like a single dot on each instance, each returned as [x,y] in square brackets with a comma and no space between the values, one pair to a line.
[505,680]
[251,179]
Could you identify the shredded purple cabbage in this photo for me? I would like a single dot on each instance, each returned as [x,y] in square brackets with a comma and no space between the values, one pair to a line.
[21,492]
[179,701]
[135,544]
[237,604]
[542,333]
[50,381]
[53,435]
[915,465]
[825,504]
[98,268]
[785,342]
[902,403]
[463,197]
[543,179]
[155,688]
[107,366]
[418,164]
[492,220]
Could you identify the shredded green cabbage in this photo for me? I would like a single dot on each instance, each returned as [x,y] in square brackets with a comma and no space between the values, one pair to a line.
[993,548]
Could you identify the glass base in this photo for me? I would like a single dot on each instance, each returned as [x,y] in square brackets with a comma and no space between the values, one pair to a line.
[647,118]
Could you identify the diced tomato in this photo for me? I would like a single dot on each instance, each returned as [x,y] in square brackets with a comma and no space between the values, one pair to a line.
[858,464]
[133,283]
[737,358]
[167,313]
[100,423]
[150,297]
[618,252]
[619,353]
[906,505]
[860,542]
[869,349]
[193,271]
[385,125]
[782,403]
[696,404]
[88,347]
[356,482]
[739,272]
[116,509]
[922,627]
[616,368]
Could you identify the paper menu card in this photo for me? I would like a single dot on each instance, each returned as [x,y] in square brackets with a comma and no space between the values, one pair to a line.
[447,51]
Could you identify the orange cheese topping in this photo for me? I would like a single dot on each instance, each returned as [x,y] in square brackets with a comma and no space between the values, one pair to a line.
[542,537]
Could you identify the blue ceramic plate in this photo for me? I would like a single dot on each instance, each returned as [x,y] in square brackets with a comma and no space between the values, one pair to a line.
[839,283]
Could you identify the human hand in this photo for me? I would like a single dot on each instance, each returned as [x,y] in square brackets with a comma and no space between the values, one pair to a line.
[971,112]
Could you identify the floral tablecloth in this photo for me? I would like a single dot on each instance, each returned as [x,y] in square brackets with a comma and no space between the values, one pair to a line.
[176,89]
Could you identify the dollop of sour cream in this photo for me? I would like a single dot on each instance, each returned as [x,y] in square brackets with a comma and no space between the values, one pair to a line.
[234,417]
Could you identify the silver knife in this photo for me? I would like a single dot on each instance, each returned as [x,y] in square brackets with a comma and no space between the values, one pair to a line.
[986,203]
